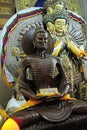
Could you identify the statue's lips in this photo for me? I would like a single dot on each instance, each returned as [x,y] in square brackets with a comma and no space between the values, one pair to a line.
[60,29]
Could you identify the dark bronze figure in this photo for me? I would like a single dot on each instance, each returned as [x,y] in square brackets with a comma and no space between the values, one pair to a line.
[44,84]
[42,67]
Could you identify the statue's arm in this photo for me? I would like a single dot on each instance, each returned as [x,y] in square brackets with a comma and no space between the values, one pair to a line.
[26,86]
[75,49]
[65,86]
[26,90]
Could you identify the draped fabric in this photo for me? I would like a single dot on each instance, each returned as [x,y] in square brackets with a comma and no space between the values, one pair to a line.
[40,3]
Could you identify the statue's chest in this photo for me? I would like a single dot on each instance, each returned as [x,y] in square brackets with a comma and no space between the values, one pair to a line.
[43,67]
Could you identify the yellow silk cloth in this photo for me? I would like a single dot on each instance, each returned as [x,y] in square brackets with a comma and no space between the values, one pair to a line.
[3,113]
[31,102]
[75,49]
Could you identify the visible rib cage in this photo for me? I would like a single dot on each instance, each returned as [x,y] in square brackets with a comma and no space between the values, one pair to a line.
[41,68]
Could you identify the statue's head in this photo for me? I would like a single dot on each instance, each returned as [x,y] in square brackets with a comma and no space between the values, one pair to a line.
[58,6]
[53,6]
[61,23]
[48,5]
[40,40]
[33,38]
[49,23]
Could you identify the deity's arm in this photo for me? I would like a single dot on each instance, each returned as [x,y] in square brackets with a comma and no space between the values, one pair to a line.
[58,46]
[81,54]
[75,49]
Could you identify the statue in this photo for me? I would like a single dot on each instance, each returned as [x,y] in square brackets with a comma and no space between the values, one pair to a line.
[57,26]
[38,80]
[70,42]
[41,60]
[43,88]
[11,64]
[53,6]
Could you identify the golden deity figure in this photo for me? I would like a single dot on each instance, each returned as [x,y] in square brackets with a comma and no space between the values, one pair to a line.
[69,39]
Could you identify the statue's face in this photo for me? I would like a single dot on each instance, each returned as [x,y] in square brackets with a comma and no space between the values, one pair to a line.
[50,27]
[41,40]
[49,10]
[58,7]
[60,26]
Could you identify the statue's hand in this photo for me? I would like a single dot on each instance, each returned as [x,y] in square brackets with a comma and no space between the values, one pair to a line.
[40,97]
[66,90]
[29,94]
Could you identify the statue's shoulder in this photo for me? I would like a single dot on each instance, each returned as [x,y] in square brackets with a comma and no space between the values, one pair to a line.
[27,61]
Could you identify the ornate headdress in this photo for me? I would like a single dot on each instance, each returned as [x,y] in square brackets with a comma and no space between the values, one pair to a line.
[48,18]
[62,15]
[59,2]
[48,3]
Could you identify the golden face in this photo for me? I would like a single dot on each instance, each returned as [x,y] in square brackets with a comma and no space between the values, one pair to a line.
[49,10]
[50,27]
[58,8]
[60,26]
